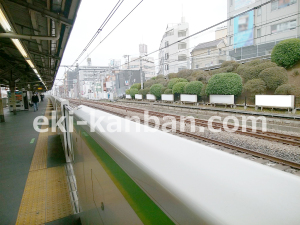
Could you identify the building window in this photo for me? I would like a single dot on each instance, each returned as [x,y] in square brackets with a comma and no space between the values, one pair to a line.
[258,33]
[281,4]
[170,32]
[231,41]
[231,2]
[258,11]
[167,56]
[182,57]
[208,52]
[197,66]
[181,33]
[166,67]
[166,43]
[182,45]
[220,51]
[181,68]
[283,26]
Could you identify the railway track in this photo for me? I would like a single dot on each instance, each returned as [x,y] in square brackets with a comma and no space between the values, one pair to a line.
[281,138]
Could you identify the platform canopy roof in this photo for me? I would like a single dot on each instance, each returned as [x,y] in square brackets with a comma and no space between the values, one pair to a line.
[33,38]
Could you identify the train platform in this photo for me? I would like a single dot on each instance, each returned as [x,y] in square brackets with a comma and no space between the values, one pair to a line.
[33,179]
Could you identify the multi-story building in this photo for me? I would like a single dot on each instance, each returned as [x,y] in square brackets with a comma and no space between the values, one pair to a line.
[89,77]
[208,54]
[174,55]
[147,63]
[256,32]
[212,52]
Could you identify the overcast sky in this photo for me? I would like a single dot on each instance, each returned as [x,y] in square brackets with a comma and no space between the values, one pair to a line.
[146,24]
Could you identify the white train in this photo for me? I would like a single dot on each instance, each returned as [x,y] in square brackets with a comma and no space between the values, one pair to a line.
[152,177]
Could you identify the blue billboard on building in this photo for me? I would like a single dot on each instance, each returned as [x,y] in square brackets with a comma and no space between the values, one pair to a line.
[243,30]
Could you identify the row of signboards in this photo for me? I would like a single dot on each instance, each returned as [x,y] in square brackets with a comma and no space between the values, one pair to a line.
[280,101]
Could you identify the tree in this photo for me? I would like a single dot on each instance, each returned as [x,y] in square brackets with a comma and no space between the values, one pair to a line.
[127,92]
[172,82]
[136,85]
[172,75]
[224,84]
[255,87]
[133,91]
[178,88]
[274,77]
[184,73]
[194,88]
[156,90]
[168,91]
[286,53]
[287,89]
[252,69]
[144,92]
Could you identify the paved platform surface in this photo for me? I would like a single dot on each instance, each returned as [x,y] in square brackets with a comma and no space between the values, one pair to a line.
[33,184]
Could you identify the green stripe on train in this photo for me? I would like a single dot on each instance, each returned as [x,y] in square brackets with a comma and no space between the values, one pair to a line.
[144,207]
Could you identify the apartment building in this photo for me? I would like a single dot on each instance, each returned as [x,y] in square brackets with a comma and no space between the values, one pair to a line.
[256,32]
[174,57]
[212,52]
[208,54]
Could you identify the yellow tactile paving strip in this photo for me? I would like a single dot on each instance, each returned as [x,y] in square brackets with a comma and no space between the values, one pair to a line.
[46,195]
[58,200]
[39,160]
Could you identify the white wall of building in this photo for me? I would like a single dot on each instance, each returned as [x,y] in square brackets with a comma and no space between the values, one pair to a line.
[175,57]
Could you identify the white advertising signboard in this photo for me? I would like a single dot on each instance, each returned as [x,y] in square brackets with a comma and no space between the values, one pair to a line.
[188,98]
[128,97]
[151,97]
[167,97]
[282,101]
[221,99]
[138,96]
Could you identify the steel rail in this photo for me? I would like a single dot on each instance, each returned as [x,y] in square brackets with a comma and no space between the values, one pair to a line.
[218,143]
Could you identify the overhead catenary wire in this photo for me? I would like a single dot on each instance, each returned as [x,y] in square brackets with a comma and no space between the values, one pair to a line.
[201,31]
[261,25]
[112,12]
[113,29]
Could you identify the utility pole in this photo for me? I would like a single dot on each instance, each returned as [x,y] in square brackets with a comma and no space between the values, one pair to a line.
[141,73]
[127,60]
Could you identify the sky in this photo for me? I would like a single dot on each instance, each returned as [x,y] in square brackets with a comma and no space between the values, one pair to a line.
[146,24]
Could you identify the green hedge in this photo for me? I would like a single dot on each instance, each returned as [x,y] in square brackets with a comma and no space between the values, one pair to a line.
[193,88]
[133,91]
[224,84]
[127,92]
[168,91]
[144,92]
[136,85]
[172,75]
[178,88]
[156,90]
[287,89]
[172,82]
[255,87]
[286,53]
[249,72]
[274,77]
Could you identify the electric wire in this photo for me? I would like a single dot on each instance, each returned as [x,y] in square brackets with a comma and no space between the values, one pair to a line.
[112,12]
